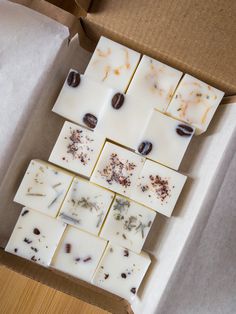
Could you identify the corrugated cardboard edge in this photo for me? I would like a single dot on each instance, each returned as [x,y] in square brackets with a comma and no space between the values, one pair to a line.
[61,16]
[84,4]
[67,284]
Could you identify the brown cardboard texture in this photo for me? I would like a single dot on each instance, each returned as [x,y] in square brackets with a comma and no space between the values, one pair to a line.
[197,37]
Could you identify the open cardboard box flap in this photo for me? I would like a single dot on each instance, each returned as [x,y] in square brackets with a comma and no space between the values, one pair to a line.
[198,37]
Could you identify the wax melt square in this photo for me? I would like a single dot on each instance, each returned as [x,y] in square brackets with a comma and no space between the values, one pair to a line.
[117,169]
[155,82]
[77,149]
[165,140]
[86,205]
[128,224]
[121,271]
[195,102]
[112,64]
[78,253]
[123,119]
[35,236]
[158,187]
[43,187]
[81,99]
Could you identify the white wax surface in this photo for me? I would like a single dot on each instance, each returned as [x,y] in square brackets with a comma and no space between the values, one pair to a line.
[169,138]
[86,205]
[43,187]
[78,253]
[195,102]
[77,149]
[112,64]
[158,187]
[117,169]
[128,224]
[88,97]
[154,82]
[121,271]
[35,236]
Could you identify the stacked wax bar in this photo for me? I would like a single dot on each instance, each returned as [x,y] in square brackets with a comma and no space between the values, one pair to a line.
[151,114]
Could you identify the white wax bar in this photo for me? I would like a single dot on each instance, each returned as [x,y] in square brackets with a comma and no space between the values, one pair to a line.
[77,149]
[165,140]
[123,119]
[117,169]
[43,187]
[112,64]
[158,187]
[154,82]
[121,271]
[81,99]
[128,224]
[35,236]
[195,102]
[86,205]
[78,253]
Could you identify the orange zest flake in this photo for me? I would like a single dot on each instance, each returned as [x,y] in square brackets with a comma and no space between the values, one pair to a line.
[117,70]
[107,70]
[127,63]
[183,109]
[103,54]
[204,116]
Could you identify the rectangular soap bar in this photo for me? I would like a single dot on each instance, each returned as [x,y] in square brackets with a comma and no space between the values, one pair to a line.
[154,82]
[128,224]
[81,99]
[77,149]
[78,253]
[158,187]
[35,236]
[86,205]
[165,140]
[123,119]
[195,103]
[121,271]
[112,64]
[117,169]
[43,187]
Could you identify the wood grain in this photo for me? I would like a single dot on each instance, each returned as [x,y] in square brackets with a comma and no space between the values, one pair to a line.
[21,295]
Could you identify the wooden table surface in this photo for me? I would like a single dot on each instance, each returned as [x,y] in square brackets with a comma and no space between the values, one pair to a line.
[19,294]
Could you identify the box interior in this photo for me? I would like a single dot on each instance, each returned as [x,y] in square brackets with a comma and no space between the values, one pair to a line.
[168,236]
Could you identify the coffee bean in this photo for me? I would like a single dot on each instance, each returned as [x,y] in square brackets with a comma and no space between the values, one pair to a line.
[184,130]
[145,148]
[73,79]
[133,290]
[90,120]
[117,101]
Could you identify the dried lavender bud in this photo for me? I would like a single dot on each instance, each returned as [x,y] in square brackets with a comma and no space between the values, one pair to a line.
[145,147]
[27,241]
[33,258]
[15,250]
[184,130]
[87,259]
[73,79]
[25,212]
[34,249]
[68,248]
[36,231]
[117,101]
[133,290]
[106,276]
[126,253]
[123,275]
[77,259]
[90,120]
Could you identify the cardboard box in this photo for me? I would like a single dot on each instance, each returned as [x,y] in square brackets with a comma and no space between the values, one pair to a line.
[194,37]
